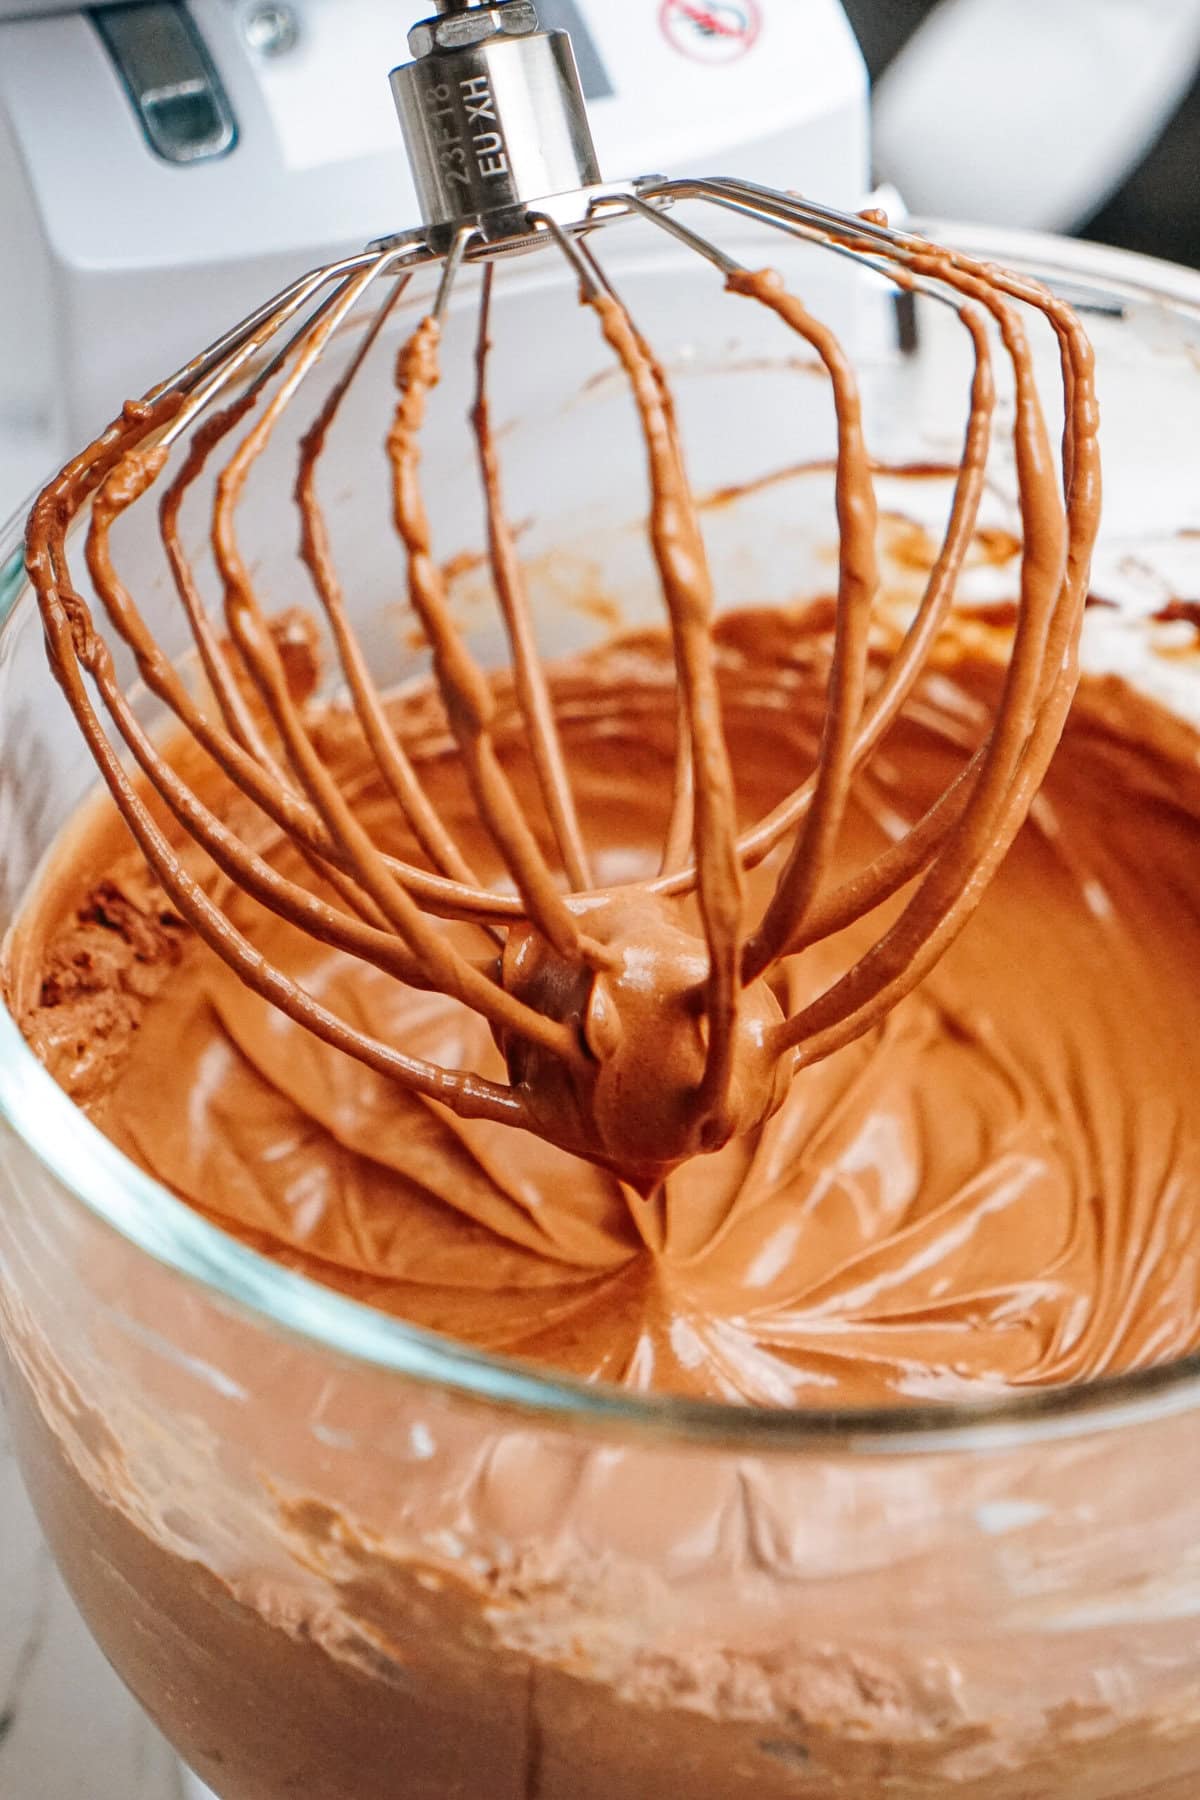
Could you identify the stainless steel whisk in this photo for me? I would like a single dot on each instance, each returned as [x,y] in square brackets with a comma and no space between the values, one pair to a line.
[497,132]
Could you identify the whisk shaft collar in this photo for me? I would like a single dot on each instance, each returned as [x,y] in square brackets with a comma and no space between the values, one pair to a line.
[493,117]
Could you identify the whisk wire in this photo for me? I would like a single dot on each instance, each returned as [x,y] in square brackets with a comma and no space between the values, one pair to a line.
[533,693]
[389,912]
[391,759]
[468,696]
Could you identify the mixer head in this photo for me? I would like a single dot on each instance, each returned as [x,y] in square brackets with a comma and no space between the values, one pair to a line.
[632,1035]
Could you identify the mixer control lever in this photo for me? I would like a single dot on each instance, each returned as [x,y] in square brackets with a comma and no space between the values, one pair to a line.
[177,95]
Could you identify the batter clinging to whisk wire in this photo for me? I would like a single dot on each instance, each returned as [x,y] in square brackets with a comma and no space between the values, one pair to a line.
[640,1024]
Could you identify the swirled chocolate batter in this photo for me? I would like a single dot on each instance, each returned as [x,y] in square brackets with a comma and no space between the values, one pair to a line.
[995,1187]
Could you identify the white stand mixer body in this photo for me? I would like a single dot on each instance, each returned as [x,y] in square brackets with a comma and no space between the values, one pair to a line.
[132,262]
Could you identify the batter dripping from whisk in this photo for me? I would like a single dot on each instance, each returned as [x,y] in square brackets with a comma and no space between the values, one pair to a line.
[631,1037]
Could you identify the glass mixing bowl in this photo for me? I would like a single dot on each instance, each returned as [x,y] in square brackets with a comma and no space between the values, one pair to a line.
[335,1557]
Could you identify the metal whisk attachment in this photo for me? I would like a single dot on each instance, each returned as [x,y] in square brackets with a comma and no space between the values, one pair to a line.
[498,135]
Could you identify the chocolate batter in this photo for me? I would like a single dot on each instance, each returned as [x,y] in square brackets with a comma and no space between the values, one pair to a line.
[994,1187]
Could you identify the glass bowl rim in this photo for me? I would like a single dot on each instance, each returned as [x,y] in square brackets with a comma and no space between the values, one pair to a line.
[123,1198]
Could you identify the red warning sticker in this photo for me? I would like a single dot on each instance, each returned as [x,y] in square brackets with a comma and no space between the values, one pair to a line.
[711,31]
